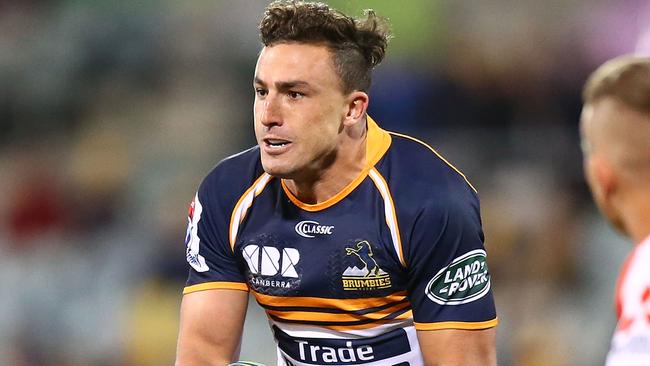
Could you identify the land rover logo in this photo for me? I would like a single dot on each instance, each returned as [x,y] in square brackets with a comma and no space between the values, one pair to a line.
[465,280]
[309,229]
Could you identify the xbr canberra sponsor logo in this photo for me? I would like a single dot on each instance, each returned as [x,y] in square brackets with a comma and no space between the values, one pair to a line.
[309,229]
[466,279]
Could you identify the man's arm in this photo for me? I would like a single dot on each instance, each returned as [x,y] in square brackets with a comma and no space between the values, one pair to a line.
[458,347]
[211,327]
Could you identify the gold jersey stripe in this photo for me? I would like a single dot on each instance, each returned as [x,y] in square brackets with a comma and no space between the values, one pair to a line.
[457,325]
[321,302]
[377,143]
[216,285]
[330,201]
[398,319]
[330,317]
[239,211]
[391,213]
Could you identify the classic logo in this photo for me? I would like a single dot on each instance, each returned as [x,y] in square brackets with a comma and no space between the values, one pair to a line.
[309,229]
[465,280]
[369,276]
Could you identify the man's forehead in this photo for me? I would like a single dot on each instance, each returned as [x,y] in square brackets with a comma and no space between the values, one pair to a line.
[587,113]
[317,50]
[610,121]
[293,61]
[596,120]
[599,114]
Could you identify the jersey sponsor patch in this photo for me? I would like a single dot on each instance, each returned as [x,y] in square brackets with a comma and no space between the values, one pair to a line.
[309,229]
[365,274]
[272,267]
[324,351]
[192,240]
[465,280]
[269,261]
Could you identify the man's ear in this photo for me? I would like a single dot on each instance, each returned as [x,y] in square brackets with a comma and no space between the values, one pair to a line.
[602,177]
[357,105]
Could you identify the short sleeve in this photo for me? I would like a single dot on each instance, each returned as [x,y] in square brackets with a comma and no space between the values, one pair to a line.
[212,262]
[449,282]
[630,341]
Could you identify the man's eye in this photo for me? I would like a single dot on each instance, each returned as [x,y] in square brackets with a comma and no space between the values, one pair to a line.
[295,95]
[261,92]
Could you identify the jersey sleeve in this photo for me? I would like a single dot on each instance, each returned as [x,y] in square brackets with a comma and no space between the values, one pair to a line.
[449,282]
[630,344]
[208,252]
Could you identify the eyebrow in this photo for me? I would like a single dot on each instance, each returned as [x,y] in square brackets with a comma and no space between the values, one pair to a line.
[284,85]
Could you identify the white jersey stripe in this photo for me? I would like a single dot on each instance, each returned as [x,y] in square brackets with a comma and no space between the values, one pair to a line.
[244,203]
[389,212]
[313,331]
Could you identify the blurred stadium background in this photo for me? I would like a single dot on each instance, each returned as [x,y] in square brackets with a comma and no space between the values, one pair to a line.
[112,112]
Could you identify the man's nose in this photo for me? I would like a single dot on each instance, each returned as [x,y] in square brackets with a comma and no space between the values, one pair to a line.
[270,113]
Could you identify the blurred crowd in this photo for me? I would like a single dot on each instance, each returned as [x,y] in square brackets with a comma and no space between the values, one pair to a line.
[111,114]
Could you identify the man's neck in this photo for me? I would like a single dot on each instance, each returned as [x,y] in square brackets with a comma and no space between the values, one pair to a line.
[349,162]
[637,216]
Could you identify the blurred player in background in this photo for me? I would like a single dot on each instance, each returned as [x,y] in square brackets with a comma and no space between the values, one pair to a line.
[364,247]
[615,129]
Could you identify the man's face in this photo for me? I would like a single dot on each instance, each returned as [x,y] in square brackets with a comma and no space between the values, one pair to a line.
[597,147]
[587,145]
[299,110]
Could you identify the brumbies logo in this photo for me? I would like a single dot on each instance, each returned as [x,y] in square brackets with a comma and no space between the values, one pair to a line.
[369,276]
[465,280]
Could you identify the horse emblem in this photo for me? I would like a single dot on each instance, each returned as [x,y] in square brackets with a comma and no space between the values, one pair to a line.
[370,276]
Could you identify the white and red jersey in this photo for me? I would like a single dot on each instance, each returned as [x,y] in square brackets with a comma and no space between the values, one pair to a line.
[631,341]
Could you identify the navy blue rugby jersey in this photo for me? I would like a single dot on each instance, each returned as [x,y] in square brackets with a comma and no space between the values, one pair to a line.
[347,281]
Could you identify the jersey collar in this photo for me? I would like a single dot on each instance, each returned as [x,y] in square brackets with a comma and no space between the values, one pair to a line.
[377,143]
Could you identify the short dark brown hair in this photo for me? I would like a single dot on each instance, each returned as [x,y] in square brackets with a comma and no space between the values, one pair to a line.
[356,45]
[626,78]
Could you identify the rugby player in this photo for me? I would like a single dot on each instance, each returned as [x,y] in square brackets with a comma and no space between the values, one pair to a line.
[364,247]
[615,130]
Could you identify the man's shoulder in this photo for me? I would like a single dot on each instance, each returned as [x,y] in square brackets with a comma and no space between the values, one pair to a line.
[237,166]
[423,184]
[233,175]
[413,168]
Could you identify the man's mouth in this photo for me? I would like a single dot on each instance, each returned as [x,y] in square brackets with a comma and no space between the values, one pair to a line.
[276,143]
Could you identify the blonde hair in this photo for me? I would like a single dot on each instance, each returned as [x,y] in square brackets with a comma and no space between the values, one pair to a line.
[625,78]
